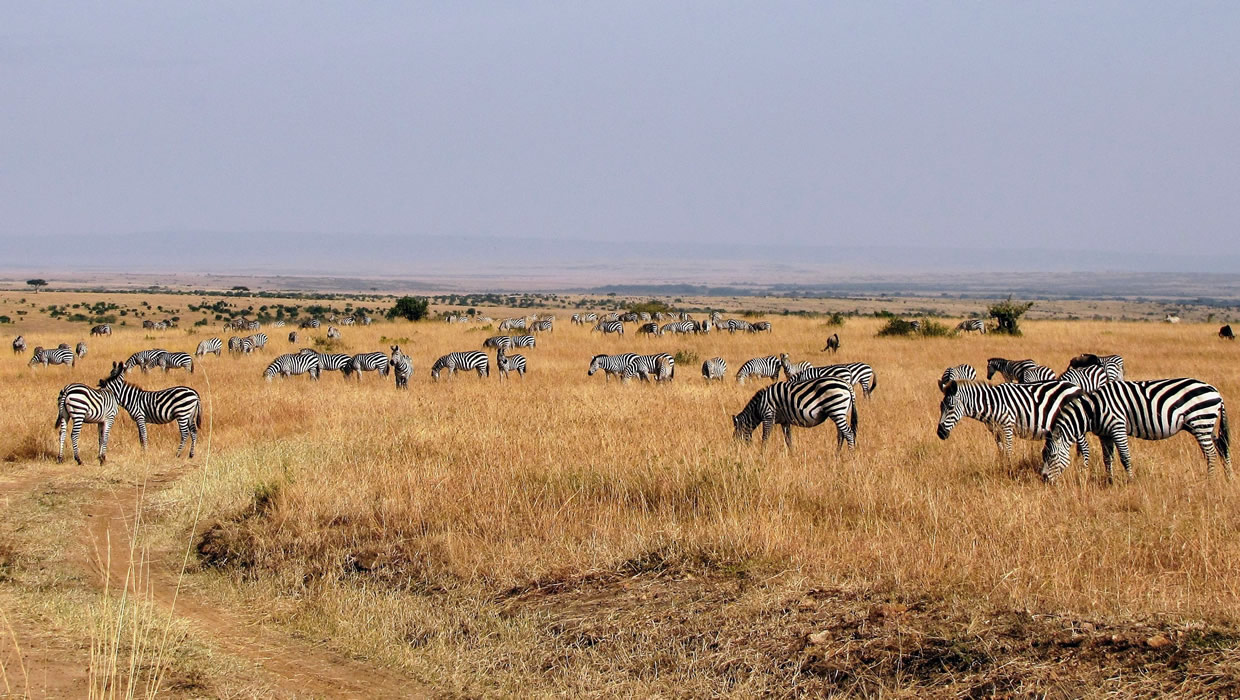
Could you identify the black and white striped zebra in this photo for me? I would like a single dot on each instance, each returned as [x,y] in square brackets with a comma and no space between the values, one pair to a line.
[959,373]
[1018,371]
[643,316]
[177,403]
[791,371]
[19,345]
[915,325]
[1151,410]
[498,341]
[852,372]
[370,362]
[1089,378]
[623,366]
[348,321]
[402,367]
[333,332]
[768,367]
[292,337]
[541,326]
[241,345]
[210,345]
[759,327]
[736,324]
[629,317]
[575,319]
[78,404]
[80,350]
[523,341]
[509,363]
[258,340]
[278,324]
[54,356]
[253,325]
[332,361]
[972,325]
[1007,410]
[589,318]
[660,365]
[651,329]
[174,360]
[511,324]
[102,329]
[464,361]
[1112,364]
[365,320]
[145,359]
[291,364]
[714,368]
[803,404]
[606,327]
[679,327]
[310,324]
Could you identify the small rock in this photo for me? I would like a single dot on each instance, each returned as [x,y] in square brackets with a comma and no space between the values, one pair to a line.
[1157,642]
[1088,627]
[820,638]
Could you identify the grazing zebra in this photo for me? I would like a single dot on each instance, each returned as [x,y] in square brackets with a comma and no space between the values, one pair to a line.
[791,370]
[736,324]
[1089,378]
[173,360]
[629,317]
[300,363]
[1150,410]
[148,324]
[210,345]
[278,324]
[972,325]
[19,345]
[292,337]
[852,372]
[80,350]
[178,403]
[915,325]
[331,318]
[606,327]
[258,340]
[55,356]
[1171,318]
[589,318]
[348,321]
[103,329]
[643,316]
[333,361]
[539,326]
[1018,371]
[1113,364]
[651,328]
[768,367]
[402,367]
[333,332]
[679,327]
[365,320]
[370,362]
[623,366]
[661,365]
[1226,333]
[760,326]
[714,368]
[509,363]
[242,345]
[703,326]
[523,341]
[511,324]
[144,359]
[253,325]
[803,404]
[959,373]
[311,323]
[498,341]
[78,404]
[833,343]
[1026,410]
[575,319]
[464,361]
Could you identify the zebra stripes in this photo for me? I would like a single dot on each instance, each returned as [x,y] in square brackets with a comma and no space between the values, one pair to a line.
[278,324]
[370,362]
[959,373]
[1112,364]
[768,367]
[623,366]
[540,326]
[210,345]
[651,328]
[19,345]
[242,345]
[1089,378]
[679,327]
[661,365]
[331,361]
[464,361]
[144,359]
[103,329]
[606,327]
[735,324]
[78,404]
[1150,410]
[629,317]
[972,325]
[1008,410]
[512,324]
[498,341]
[178,403]
[258,340]
[1018,371]
[174,360]
[760,326]
[402,367]
[803,404]
[55,356]
[333,332]
[311,323]
[80,350]
[523,341]
[714,368]
[852,372]
[509,363]
[291,364]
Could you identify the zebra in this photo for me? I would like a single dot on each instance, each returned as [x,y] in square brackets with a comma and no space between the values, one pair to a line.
[178,403]
[791,370]
[661,365]
[651,328]
[852,372]
[759,327]
[292,337]
[511,324]
[1018,371]
[959,373]
[310,324]
[736,324]
[80,350]
[629,317]
[348,321]
[623,366]
[19,345]
[1025,410]
[103,329]
[679,327]
[539,326]
[1113,364]
[915,325]
[55,356]
[714,368]
[173,360]
[508,363]
[1089,378]
[210,345]
[803,404]
[768,366]
[465,361]
[643,316]
[332,361]
[1171,318]
[575,319]
[370,362]
[333,332]
[1226,333]
[606,327]
[365,320]
[972,325]
[523,341]
[278,324]
[589,318]
[253,325]
[244,345]
[1151,410]
[258,340]
[833,343]
[148,325]
[498,341]
[144,359]
[703,326]
[402,367]
[290,364]
[78,404]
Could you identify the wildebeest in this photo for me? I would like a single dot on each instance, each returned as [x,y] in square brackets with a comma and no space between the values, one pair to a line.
[1225,332]
[833,343]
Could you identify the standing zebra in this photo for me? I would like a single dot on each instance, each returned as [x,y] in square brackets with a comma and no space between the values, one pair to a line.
[370,362]
[178,403]
[300,363]
[575,319]
[760,326]
[852,372]
[292,337]
[78,404]
[402,367]
[1112,364]
[253,325]
[332,361]
[236,344]
[523,341]
[144,359]
[736,324]
[258,340]
[333,332]
[629,317]
[348,321]
[679,327]
[55,356]
[210,345]
[540,326]
[714,368]
[19,345]
[606,327]
[803,404]
[1026,410]
[278,324]
[498,341]
[1018,371]
[104,329]
[173,360]
[791,370]
[80,350]
[1089,378]
[509,363]
[972,325]
[512,324]
[768,367]
[661,365]
[623,366]
[312,323]
[959,373]
[589,318]
[650,329]
[464,361]
[1150,410]
[833,343]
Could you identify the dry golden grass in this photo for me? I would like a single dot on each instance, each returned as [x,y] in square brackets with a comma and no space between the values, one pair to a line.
[477,532]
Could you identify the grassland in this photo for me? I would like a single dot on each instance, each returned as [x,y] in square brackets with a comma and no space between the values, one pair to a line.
[563,534]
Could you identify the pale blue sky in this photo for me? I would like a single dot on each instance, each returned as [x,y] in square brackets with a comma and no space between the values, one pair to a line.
[1072,124]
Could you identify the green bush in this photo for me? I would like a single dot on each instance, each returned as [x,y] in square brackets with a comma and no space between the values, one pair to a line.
[1007,313]
[900,327]
[651,307]
[410,308]
[836,319]
[685,358]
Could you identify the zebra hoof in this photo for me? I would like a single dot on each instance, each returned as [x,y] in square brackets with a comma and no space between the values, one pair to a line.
[78,460]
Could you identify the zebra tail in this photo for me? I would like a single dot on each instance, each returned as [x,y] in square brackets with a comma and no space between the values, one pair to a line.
[198,417]
[1224,433]
[854,414]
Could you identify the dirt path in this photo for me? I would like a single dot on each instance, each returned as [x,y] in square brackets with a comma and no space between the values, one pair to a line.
[295,668]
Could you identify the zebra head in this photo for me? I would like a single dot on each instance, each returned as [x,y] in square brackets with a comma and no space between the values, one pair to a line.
[950,410]
[115,377]
[743,425]
[595,364]
[1067,430]
[994,364]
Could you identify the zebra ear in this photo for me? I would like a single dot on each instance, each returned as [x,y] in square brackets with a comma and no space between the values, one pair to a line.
[949,388]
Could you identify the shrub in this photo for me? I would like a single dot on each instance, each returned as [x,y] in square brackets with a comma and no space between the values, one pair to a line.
[896,326]
[1008,314]
[651,307]
[685,358]
[836,319]
[410,308]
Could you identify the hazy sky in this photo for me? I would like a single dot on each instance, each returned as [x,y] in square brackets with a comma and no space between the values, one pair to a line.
[1076,124]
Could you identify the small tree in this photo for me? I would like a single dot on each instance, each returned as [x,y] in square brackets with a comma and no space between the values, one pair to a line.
[1007,313]
[36,283]
[410,308]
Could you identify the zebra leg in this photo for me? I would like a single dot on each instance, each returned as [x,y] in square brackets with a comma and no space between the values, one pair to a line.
[1121,444]
[768,424]
[193,437]
[141,421]
[64,429]
[1082,448]
[844,433]
[1205,440]
[183,427]
[787,435]
[77,435]
[105,430]
[1108,457]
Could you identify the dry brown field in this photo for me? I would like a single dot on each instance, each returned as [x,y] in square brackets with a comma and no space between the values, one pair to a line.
[563,534]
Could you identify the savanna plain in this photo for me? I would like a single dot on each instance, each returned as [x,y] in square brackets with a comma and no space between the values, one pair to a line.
[561,534]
